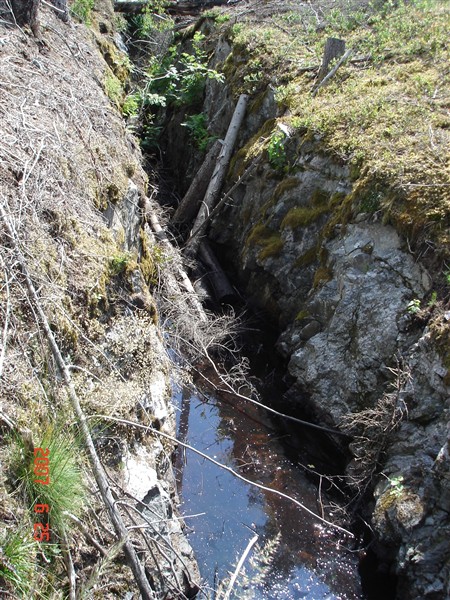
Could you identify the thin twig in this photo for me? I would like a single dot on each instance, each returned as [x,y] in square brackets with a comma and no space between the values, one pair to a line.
[239,566]
[97,468]
[224,467]
[86,533]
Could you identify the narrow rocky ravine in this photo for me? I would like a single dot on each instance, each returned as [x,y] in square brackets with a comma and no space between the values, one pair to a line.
[335,232]
[360,322]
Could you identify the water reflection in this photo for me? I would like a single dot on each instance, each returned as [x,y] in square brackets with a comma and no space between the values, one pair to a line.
[297,556]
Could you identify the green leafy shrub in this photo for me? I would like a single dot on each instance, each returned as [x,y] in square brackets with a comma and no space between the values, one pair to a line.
[179,80]
[131,105]
[152,18]
[197,126]
[276,151]
[121,263]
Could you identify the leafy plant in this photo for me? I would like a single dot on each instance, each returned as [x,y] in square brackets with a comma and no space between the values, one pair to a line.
[178,80]
[414,306]
[276,150]
[152,18]
[131,105]
[82,10]
[118,264]
[396,486]
[433,299]
[197,126]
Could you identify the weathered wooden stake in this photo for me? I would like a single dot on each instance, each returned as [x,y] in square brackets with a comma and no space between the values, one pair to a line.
[334,48]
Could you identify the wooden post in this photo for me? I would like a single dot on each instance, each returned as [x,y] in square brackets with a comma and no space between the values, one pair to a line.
[334,48]
[218,176]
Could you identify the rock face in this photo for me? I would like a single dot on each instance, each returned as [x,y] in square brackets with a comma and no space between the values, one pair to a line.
[309,249]
[363,320]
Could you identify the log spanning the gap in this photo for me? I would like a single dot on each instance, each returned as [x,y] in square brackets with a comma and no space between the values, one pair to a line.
[218,176]
[182,7]
[190,204]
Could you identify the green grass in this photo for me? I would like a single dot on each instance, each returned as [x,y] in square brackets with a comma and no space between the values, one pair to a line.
[387,118]
[17,555]
[65,491]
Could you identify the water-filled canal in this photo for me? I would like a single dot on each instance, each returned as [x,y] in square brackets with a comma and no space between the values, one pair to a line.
[296,555]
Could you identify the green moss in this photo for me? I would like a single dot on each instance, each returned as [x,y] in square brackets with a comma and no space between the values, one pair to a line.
[301,216]
[272,247]
[114,90]
[341,215]
[306,259]
[270,240]
[258,233]
[321,276]
[388,120]
[253,148]
[117,61]
[284,186]
[301,315]
[256,105]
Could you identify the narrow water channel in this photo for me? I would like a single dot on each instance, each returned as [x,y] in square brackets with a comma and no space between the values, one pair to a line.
[296,556]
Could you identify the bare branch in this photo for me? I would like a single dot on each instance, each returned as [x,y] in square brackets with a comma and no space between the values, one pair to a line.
[225,468]
[239,566]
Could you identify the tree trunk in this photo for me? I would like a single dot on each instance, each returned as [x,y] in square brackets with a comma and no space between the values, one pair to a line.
[334,48]
[218,176]
[26,13]
[171,280]
[190,204]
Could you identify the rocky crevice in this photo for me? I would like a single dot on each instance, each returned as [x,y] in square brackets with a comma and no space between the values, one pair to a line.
[312,250]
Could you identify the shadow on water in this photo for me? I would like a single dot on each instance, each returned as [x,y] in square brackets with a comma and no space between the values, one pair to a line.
[297,556]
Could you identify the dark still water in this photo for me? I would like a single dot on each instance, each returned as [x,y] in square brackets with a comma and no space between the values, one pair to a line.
[296,556]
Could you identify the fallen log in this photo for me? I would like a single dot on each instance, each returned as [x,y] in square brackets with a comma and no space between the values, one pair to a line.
[190,203]
[183,7]
[218,176]
[171,278]
[200,230]
[222,288]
